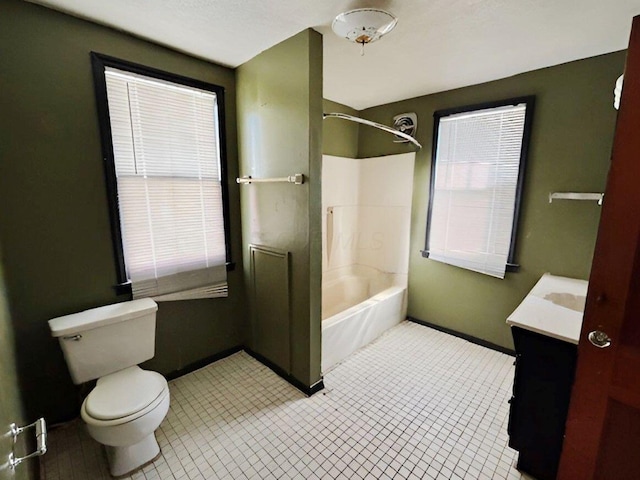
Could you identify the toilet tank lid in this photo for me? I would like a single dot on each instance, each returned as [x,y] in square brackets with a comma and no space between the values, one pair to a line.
[101,316]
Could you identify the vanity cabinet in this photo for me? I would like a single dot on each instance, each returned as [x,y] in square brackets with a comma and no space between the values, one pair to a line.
[546,328]
[544,373]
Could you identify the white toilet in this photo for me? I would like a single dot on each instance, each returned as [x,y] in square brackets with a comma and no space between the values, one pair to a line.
[128,403]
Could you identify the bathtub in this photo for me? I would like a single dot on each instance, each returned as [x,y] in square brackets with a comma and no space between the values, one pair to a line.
[358,305]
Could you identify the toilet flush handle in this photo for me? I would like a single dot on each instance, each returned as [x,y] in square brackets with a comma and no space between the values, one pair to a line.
[75,338]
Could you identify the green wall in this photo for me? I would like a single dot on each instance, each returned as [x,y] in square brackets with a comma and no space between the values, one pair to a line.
[54,217]
[570,149]
[339,137]
[280,133]
[10,398]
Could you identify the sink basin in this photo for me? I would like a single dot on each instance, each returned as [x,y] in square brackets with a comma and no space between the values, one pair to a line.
[567,300]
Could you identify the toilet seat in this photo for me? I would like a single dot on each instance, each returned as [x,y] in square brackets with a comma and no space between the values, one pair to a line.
[124,396]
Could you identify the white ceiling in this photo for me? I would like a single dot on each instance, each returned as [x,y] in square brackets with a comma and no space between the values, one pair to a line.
[437,45]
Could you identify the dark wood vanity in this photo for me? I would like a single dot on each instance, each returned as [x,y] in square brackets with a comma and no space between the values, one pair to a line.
[545,368]
[545,328]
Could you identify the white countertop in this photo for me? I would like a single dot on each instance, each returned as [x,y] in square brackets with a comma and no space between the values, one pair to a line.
[554,307]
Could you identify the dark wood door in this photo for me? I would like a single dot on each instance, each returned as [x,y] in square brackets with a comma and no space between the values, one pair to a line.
[603,428]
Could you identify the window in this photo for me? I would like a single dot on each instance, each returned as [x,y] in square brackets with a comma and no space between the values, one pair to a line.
[477,173]
[163,144]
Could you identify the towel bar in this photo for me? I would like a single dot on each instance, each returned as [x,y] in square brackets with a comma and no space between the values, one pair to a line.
[297,178]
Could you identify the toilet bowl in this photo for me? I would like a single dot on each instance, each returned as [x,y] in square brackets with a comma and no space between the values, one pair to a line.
[122,412]
[128,403]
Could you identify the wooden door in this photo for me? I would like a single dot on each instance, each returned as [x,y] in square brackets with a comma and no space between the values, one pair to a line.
[602,439]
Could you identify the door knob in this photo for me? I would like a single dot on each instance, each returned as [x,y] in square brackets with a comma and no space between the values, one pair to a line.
[599,339]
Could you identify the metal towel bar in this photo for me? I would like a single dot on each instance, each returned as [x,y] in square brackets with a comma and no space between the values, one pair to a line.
[297,178]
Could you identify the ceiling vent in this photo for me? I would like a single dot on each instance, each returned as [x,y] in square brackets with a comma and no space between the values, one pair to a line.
[406,123]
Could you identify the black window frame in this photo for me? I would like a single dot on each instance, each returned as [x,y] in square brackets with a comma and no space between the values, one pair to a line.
[99,62]
[529,101]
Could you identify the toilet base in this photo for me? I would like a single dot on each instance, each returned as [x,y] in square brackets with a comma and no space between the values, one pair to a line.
[124,460]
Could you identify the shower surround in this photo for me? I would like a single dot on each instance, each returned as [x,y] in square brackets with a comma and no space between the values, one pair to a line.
[366,205]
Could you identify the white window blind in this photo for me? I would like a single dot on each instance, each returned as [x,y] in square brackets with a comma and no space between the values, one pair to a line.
[167,162]
[476,171]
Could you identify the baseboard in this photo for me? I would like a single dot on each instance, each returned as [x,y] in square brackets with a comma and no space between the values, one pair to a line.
[307,390]
[469,338]
[202,363]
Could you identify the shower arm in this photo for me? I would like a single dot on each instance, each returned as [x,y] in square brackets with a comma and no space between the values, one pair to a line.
[380,126]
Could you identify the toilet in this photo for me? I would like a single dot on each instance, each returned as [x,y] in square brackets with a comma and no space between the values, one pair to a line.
[128,403]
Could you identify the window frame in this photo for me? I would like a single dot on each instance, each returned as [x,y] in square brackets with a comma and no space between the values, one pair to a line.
[99,62]
[529,101]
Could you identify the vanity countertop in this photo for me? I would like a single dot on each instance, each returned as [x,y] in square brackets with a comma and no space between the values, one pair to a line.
[554,307]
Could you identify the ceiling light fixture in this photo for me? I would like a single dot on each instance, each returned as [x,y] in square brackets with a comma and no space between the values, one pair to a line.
[363,25]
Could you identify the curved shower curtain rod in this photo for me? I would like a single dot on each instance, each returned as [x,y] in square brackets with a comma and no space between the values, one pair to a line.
[380,126]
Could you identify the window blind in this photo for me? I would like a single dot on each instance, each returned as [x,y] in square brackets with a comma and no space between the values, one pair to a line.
[477,164]
[167,162]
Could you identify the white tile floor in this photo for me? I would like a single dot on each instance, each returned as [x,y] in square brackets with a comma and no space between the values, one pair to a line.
[417,403]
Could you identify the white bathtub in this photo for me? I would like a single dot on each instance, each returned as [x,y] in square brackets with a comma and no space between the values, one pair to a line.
[358,305]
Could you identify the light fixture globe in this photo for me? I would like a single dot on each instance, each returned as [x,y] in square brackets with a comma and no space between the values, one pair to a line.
[363,25]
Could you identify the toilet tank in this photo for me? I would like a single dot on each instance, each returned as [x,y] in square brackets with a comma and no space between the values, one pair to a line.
[106,339]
